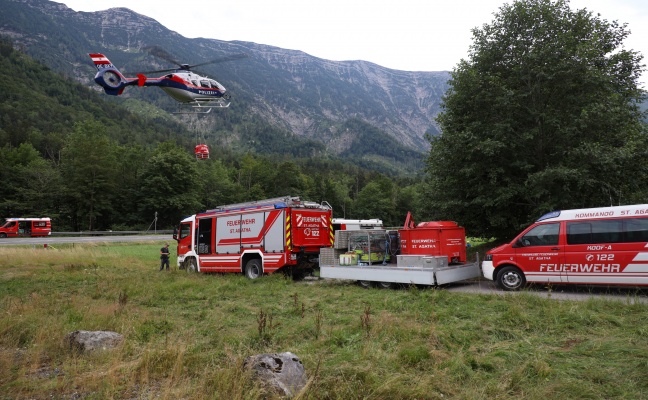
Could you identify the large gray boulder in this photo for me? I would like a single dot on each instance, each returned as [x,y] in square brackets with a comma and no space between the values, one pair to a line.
[83,341]
[282,373]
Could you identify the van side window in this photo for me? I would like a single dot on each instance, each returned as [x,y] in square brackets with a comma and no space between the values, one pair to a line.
[542,235]
[595,232]
[579,233]
[607,231]
[636,230]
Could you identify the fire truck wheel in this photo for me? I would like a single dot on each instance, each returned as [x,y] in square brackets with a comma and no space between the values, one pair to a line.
[190,265]
[253,269]
[385,285]
[511,278]
[365,284]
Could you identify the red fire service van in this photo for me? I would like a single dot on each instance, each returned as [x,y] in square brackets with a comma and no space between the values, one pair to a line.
[26,227]
[607,246]
[256,237]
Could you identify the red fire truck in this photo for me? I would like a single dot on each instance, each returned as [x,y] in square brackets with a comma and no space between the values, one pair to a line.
[26,227]
[256,237]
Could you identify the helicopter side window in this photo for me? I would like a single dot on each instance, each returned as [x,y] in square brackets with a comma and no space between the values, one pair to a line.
[195,83]
[214,84]
[204,84]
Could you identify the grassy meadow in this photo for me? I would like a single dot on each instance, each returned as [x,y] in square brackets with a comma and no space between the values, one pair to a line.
[186,335]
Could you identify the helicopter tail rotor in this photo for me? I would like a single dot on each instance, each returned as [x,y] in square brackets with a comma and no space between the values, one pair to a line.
[108,76]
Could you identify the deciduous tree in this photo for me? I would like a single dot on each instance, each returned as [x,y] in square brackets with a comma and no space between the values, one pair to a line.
[542,115]
[170,185]
[89,171]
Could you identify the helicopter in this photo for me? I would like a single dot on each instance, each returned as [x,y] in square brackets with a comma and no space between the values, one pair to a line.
[183,85]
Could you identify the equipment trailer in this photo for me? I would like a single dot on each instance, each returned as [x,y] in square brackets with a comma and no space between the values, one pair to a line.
[431,253]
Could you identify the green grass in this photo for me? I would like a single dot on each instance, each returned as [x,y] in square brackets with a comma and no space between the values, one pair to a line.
[186,335]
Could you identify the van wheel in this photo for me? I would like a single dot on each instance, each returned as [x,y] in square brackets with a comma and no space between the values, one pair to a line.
[365,284]
[253,269]
[190,265]
[3,235]
[511,278]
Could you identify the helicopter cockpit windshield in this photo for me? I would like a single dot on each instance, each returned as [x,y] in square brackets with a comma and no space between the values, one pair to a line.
[208,83]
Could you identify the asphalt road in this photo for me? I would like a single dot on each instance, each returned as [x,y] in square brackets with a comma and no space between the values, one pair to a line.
[53,240]
[629,295]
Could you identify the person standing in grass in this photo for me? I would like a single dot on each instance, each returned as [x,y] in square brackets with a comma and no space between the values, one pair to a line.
[164,257]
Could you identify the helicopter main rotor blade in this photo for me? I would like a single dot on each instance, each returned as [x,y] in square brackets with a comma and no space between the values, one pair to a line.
[222,59]
[159,52]
[159,71]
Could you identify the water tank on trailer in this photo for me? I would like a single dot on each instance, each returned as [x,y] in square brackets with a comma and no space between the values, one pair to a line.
[434,238]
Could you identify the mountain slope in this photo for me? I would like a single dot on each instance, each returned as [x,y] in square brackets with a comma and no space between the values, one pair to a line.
[284,91]
[43,115]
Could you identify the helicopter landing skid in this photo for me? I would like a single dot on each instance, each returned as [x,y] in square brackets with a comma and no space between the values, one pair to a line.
[202,107]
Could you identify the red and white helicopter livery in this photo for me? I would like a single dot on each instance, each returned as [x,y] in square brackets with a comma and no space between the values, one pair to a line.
[181,84]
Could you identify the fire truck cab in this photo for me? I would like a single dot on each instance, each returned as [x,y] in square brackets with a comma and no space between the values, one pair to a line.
[14,227]
[256,237]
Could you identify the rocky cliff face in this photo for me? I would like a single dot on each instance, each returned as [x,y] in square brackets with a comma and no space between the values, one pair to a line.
[403,104]
[292,90]
[312,96]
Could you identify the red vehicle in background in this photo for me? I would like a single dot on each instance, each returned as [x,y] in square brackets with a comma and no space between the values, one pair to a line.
[14,227]
[256,238]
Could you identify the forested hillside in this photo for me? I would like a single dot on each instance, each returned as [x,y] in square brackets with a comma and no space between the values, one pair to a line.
[90,164]
[283,101]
